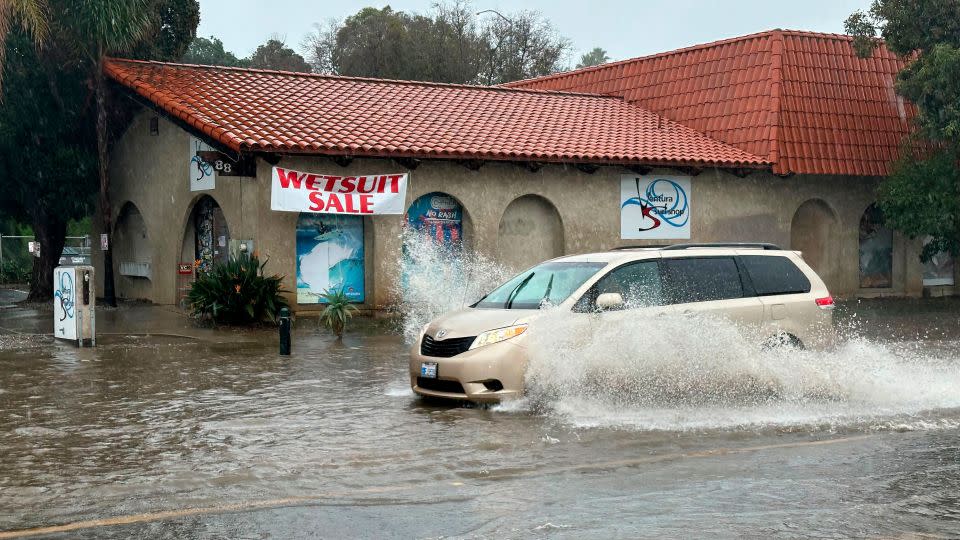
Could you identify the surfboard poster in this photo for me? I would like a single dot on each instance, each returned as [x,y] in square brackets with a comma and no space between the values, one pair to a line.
[329,256]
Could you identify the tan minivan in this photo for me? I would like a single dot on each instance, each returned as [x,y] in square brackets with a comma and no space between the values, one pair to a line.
[479,353]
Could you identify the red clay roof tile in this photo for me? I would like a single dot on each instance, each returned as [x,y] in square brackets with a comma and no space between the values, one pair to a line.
[282,112]
[770,80]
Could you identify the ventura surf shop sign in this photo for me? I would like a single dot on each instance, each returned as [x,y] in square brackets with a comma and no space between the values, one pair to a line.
[296,191]
[654,207]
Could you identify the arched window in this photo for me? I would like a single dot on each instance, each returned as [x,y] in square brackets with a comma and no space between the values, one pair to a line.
[438,216]
[876,250]
[939,270]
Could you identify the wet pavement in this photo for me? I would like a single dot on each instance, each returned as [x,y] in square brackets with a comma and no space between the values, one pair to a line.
[170,431]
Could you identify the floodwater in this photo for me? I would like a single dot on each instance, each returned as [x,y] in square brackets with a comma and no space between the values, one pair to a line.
[186,437]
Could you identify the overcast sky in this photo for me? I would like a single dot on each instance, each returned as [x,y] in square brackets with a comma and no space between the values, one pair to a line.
[624,28]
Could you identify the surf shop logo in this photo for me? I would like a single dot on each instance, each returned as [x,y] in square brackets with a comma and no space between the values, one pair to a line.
[664,202]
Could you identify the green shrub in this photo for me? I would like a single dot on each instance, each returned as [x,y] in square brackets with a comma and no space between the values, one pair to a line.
[237,292]
[16,271]
[338,310]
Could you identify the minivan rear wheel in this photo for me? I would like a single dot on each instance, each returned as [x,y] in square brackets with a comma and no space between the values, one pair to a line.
[782,340]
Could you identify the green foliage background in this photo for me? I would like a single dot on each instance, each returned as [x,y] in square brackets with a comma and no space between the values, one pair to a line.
[921,197]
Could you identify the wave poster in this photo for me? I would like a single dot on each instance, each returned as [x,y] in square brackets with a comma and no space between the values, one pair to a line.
[329,256]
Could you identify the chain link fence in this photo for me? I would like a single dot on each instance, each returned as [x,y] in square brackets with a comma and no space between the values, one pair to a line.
[16,256]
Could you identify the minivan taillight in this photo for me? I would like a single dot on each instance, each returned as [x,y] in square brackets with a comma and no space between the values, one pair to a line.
[825,303]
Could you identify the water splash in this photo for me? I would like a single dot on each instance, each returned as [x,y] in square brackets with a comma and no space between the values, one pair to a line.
[683,373]
[435,279]
[678,372]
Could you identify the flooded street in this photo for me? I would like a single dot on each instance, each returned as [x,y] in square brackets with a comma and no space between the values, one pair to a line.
[187,434]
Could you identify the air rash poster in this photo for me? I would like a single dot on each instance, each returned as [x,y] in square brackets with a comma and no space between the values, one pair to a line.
[329,256]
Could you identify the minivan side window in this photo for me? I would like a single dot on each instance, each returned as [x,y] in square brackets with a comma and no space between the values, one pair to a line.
[775,274]
[638,283]
[701,279]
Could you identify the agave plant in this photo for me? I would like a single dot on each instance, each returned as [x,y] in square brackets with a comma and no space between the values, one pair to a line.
[338,311]
[237,292]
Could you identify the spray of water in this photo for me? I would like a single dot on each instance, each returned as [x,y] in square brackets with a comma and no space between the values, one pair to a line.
[682,372]
[435,279]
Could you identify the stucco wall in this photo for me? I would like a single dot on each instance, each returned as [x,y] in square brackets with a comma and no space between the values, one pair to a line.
[152,173]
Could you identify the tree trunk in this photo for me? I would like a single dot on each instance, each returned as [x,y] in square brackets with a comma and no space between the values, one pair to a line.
[106,210]
[51,232]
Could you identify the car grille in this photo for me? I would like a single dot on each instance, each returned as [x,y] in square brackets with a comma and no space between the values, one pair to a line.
[445,348]
[440,385]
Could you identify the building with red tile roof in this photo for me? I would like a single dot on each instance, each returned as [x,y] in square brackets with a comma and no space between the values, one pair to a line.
[778,137]
[802,100]
[249,110]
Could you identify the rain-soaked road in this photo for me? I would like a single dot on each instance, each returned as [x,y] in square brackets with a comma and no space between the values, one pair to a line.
[215,435]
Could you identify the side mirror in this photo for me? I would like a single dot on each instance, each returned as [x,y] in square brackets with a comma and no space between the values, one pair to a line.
[610,300]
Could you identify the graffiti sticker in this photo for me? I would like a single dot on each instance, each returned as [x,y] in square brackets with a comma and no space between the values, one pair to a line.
[64,299]
[654,207]
[203,176]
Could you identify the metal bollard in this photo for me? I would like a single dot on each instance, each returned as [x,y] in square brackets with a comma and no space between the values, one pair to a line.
[285,331]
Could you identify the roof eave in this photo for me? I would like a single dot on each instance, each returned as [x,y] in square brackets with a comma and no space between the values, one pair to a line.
[571,160]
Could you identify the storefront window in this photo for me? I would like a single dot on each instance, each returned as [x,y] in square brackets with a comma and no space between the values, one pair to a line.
[438,216]
[329,256]
[876,250]
[939,270]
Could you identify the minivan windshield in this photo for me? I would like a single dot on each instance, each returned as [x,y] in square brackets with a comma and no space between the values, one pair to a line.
[547,283]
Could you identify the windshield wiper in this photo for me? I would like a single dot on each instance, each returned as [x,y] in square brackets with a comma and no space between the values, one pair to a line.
[546,295]
[516,290]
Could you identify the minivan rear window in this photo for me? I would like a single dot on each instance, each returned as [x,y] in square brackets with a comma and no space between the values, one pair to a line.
[701,279]
[773,274]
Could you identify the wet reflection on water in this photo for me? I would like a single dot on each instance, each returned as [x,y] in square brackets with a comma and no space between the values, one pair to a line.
[146,424]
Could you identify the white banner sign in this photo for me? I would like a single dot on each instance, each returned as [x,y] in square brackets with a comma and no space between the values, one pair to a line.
[295,191]
[654,206]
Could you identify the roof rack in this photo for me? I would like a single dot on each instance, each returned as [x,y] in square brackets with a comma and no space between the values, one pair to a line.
[624,248]
[745,245]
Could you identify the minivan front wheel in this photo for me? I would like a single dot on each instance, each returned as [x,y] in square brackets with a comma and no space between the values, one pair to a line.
[781,341]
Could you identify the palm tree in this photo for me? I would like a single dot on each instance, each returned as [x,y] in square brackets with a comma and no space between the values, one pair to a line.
[31,14]
[102,28]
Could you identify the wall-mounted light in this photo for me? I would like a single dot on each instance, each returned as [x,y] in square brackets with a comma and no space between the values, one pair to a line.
[155,126]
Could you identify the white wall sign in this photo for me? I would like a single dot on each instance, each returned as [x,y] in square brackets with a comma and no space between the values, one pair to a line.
[295,191]
[203,176]
[654,206]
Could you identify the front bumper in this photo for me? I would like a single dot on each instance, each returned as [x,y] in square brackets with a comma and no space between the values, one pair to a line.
[477,373]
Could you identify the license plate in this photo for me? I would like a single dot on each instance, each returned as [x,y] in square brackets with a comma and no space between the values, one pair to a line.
[428,370]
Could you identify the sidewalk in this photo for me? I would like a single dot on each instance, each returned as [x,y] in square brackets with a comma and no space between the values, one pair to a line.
[133,318]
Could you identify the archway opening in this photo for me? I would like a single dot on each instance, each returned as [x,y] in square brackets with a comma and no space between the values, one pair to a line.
[876,250]
[330,257]
[133,253]
[812,233]
[530,232]
[206,239]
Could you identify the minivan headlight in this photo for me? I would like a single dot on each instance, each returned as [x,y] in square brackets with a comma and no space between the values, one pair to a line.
[496,336]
